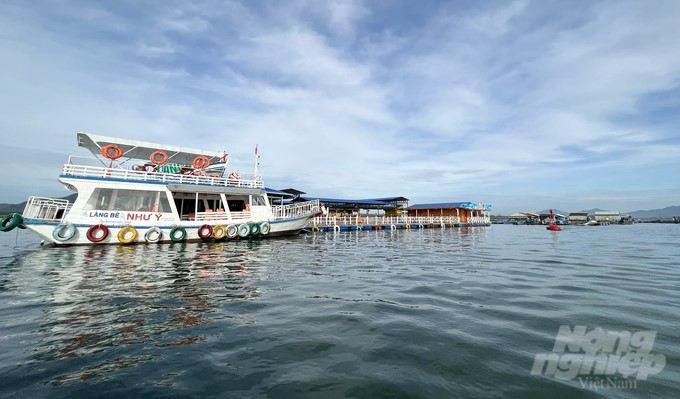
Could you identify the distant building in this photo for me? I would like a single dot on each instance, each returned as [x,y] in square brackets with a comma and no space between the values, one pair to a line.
[607,216]
[578,217]
[545,218]
[524,218]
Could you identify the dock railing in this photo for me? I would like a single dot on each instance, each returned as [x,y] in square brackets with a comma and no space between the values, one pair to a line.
[394,220]
[117,172]
[47,209]
[296,210]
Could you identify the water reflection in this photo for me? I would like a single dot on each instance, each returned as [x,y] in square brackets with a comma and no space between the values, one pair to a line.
[101,298]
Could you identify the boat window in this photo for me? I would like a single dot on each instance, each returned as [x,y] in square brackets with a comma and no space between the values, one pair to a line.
[236,205]
[259,201]
[100,199]
[129,200]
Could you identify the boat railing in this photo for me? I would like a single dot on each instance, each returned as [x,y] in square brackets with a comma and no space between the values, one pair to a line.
[393,220]
[47,209]
[221,216]
[297,209]
[118,172]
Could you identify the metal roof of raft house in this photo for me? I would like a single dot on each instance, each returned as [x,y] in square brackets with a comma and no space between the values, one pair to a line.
[463,210]
[388,203]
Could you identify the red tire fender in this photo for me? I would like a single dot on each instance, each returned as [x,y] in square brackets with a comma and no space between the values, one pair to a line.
[205,231]
[93,229]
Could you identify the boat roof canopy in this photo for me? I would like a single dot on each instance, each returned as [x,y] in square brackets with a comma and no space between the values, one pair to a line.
[142,150]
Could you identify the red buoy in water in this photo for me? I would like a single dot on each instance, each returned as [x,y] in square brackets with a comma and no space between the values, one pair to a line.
[553,226]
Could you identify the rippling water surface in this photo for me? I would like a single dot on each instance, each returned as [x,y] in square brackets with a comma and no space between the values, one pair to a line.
[370,314]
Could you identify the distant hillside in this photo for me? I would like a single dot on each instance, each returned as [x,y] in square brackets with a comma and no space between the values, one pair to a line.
[11,208]
[657,213]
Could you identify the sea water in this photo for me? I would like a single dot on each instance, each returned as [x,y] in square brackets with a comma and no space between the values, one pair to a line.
[434,313]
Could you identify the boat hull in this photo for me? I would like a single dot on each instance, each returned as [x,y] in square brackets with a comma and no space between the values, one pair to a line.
[46,230]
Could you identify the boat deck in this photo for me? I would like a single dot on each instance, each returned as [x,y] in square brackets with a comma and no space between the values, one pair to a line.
[115,173]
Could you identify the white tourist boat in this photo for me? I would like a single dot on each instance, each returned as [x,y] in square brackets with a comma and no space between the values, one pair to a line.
[173,195]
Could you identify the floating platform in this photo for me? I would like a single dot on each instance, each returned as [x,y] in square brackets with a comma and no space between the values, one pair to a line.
[326,223]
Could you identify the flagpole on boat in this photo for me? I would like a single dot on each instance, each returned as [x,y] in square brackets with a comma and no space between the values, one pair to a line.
[256,173]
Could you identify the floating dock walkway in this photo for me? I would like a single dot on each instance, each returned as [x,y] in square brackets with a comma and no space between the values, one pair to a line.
[352,223]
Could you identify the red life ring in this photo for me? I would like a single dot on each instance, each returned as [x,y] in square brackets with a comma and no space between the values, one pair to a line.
[201,162]
[205,231]
[112,151]
[93,230]
[155,158]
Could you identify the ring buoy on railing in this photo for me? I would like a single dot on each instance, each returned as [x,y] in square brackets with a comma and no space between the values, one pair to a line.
[219,232]
[315,228]
[336,228]
[64,232]
[243,230]
[159,158]
[97,233]
[232,231]
[201,162]
[443,225]
[9,222]
[111,151]
[265,228]
[393,227]
[153,235]
[205,231]
[178,234]
[255,229]
[127,235]
[408,226]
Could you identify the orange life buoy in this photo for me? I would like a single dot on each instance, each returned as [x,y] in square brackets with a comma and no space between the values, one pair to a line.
[201,162]
[159,158]
[112,151]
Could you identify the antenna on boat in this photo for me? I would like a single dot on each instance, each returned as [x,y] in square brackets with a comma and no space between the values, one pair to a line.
[256,173]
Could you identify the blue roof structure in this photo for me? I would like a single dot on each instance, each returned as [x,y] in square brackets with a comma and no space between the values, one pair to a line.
[356,204]
[349,201]
[271,191]
[447,205]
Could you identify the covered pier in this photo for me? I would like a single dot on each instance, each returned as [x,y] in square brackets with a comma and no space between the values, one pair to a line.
[458,214]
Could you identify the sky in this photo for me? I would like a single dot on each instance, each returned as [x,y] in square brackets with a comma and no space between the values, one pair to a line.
[525,105]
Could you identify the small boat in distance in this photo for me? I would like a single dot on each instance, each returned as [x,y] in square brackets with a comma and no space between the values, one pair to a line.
[173,195]
[553,226]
